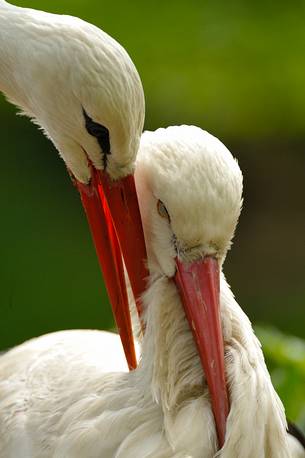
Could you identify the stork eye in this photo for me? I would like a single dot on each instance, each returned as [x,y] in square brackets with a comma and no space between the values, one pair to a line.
[162,210]
[101,133]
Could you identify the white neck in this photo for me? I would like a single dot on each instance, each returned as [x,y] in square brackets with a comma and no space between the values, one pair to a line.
[7,30]
[169,352]
[173,373]
[14,28]
[256,424]
[22,49]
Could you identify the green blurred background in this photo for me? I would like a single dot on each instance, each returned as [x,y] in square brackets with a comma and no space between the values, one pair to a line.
[237,69]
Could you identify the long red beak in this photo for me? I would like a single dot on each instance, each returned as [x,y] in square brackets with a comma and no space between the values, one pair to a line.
[114,218]
[198,284]
[122,199]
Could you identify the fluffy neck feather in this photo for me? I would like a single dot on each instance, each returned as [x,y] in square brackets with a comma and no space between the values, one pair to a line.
[169,352]
[172,373]
[256,424]
[172,370]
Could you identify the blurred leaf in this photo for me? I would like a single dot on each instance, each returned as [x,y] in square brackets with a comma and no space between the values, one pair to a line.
[285,358]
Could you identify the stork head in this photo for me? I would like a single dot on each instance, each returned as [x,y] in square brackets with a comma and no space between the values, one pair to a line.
[190,194]
[82,88]
[79,85]
[107,105]
[190,189]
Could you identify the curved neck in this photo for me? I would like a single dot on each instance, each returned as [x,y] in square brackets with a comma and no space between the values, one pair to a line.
[11,40]
[17,35]
[7,32]
[6,45]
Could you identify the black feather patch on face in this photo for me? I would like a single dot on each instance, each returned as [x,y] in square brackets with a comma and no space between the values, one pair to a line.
[101,133]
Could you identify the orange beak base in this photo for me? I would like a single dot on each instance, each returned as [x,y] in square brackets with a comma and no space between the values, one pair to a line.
[198,284]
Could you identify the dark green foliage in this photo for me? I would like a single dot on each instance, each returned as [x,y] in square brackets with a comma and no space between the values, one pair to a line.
[285,357]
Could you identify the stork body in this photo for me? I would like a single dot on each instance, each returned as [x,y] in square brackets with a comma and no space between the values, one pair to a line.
[58,399]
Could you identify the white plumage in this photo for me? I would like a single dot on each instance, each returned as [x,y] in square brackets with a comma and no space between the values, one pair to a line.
[61,402]
[68,394]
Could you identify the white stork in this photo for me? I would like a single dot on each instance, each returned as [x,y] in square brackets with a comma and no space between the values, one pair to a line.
[82,88]
[58,401]
[62,395]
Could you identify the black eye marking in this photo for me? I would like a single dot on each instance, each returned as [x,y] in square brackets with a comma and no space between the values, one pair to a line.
[101,133]
[162,210]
